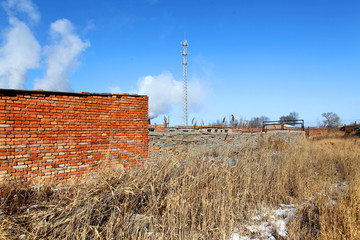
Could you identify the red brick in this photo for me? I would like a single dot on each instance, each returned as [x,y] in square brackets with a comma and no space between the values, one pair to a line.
[68,126]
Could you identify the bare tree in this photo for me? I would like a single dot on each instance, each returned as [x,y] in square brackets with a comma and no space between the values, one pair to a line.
[331,120]
[292,116]
[254,122]
[263,119]
[243,123]
[257,122]
[217,123]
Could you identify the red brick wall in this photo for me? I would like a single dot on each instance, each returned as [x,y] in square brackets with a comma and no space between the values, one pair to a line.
[54,136]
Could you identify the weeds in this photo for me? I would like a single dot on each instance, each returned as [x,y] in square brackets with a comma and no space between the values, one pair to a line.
[202,193]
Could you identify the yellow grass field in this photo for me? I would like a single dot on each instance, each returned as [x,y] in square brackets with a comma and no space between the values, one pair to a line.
[201,193]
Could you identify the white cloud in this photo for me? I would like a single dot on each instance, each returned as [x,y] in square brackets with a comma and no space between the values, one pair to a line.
[62,56]
[90,26]
[13,7]
[115,90]
[196,94]
[20,52]
[164,91]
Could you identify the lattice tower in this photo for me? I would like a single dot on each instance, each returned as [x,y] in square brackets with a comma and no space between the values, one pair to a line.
[184,53]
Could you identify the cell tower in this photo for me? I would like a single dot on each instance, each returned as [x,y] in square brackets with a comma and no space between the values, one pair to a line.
[184,53]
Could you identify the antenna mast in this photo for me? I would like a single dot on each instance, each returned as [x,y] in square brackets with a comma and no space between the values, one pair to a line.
[184,53]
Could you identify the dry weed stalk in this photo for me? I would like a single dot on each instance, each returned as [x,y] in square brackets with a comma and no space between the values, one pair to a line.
[202,193]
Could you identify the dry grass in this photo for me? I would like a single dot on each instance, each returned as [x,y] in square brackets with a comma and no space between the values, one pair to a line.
[203,193]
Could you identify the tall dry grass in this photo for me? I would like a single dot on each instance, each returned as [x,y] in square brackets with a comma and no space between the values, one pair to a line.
[205,192]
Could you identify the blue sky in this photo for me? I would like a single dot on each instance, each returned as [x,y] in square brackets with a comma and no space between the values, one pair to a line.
[247,58]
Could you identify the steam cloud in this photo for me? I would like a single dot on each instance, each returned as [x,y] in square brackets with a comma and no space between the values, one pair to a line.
[164,91]
[21,51]
[62,56]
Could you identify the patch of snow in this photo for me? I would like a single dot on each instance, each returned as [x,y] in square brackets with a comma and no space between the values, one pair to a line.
[267,223]
[236,236]
[285,212]
[280,212]
[280,226]
[264,229]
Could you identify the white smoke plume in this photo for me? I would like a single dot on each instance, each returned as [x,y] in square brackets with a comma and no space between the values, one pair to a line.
[20,52]
[164,91]
[62,56]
